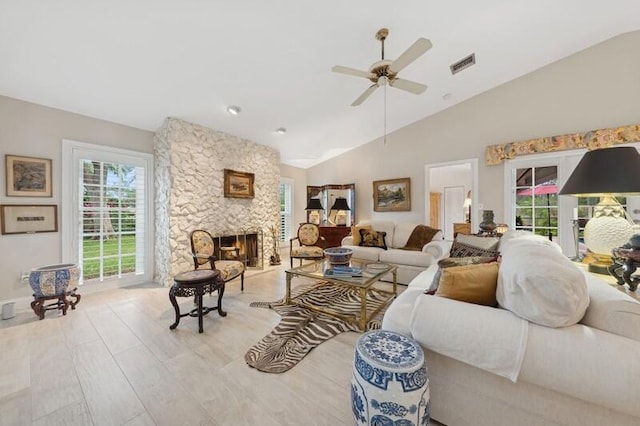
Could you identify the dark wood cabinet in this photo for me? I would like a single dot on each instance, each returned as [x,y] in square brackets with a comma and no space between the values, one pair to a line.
[333,235]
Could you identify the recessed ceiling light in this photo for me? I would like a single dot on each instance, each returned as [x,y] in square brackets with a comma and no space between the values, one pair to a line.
[234,109]
[446,96]
[281,130]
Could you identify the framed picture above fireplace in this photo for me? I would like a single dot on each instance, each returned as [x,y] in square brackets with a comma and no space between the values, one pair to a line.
[238,184]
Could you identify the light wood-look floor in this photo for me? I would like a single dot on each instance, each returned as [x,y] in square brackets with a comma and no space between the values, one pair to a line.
[114,361]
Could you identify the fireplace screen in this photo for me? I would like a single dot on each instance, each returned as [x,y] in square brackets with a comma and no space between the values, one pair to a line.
[245,245]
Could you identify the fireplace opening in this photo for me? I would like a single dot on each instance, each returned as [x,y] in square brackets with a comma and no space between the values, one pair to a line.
[245,246]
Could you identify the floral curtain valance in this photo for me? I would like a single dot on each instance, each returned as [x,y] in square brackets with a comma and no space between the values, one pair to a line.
[593,139]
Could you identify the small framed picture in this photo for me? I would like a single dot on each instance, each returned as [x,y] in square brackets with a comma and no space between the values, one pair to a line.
[392,195]
[28,176]
[238,184]
[28,219]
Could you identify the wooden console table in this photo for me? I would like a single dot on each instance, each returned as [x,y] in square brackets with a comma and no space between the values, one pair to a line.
[462,228]
[333,235]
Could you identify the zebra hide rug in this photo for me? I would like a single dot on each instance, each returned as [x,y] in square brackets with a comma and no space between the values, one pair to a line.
[301,329]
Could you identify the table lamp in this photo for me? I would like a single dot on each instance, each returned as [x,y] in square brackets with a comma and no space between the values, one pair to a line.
[314,207]
[604,172]
[342,207]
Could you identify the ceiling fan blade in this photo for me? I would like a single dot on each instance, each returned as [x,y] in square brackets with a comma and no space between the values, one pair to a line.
[414,51]
[365,95]
[351,71]
[407,85]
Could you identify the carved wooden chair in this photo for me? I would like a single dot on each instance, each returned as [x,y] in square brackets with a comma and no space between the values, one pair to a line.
[203,252]
[308,237]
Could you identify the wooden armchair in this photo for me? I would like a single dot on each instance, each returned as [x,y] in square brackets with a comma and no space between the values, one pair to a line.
[203,252]
[308,237]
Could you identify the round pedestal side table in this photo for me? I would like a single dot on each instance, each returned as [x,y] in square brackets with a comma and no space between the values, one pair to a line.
[389,383]
[196,283]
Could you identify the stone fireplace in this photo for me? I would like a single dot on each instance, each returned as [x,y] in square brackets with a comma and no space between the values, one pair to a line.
[189,179]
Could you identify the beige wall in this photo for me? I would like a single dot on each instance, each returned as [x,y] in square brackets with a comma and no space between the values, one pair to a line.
[596,88]
[37,131]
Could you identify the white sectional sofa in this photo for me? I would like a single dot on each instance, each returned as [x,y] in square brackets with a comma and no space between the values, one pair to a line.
[410,263]
[489,366]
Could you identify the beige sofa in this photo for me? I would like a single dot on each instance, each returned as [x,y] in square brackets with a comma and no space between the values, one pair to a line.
[410,263]
[582,374]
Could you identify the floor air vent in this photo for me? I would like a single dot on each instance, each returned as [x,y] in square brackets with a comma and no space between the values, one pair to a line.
[463,63]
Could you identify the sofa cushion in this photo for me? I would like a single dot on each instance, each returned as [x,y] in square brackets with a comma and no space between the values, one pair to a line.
[487,243]
[370,238]
[449,262]
[611,309]
[459,249]
[366,253]
[540,284]
[355,233]
[475,283]
[401,233]
[406,257]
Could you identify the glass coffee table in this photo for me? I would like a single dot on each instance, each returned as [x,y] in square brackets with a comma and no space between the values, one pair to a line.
[372,299]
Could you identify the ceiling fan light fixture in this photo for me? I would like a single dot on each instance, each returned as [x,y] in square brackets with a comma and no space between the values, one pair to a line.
[383,80]
[234,109]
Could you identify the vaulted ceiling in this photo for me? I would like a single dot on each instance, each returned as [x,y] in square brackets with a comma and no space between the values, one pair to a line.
[137,62]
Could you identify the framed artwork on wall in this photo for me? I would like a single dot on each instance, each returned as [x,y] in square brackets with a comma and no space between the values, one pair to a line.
[238,184]
[392,195]
[28,176]
[28,219]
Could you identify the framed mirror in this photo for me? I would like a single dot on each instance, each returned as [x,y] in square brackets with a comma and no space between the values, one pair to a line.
[327,196]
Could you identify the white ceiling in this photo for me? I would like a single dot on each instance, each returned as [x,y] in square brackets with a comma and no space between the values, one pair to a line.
[136,62]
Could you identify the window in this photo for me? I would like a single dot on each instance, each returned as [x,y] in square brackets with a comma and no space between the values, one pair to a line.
[532,203]
[536,207]
[107,231]
[286,208]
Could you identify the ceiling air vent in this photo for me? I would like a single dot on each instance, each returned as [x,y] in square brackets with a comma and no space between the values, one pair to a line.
[463,63]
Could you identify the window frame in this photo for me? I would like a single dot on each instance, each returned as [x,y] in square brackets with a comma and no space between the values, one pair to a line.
[72,152]
[565,162]
[284,239]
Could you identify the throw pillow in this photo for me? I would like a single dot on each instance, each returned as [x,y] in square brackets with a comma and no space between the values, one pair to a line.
[538,283]
[459,249]
[421,235]
[371,238]
[355,233]
[487,243]
[456,261]
[470,283]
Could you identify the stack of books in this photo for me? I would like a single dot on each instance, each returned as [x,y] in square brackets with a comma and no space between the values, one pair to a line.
[339,271]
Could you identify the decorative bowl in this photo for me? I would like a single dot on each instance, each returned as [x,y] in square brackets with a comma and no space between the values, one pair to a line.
[53,280]
[338,255]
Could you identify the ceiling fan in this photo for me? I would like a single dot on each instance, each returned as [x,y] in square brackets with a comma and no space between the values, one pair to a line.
[386,71]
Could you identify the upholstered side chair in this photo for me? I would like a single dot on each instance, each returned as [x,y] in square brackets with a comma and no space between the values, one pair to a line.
[308,238]
[203,252]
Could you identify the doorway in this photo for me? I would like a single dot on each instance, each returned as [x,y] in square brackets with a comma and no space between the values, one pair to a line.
[453,186]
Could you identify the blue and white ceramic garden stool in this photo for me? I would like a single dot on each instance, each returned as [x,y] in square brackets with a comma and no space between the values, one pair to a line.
[389,384]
